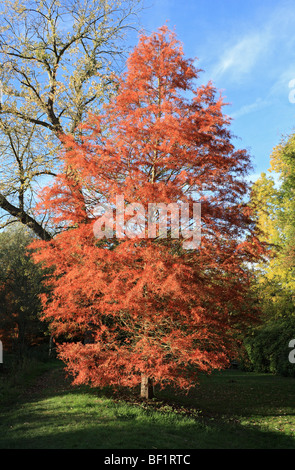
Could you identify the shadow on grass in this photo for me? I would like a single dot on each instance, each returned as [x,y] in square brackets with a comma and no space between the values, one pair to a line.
[61,431]
[54,415]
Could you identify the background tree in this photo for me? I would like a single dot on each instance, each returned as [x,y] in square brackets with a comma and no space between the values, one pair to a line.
[25,159]
[274,206]
[273,202]
[158,312]
[56,64]
[20,286]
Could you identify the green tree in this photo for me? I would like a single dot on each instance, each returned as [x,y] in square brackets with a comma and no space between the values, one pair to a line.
[21,283]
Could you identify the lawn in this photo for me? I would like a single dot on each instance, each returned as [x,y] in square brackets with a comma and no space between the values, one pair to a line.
[228,410]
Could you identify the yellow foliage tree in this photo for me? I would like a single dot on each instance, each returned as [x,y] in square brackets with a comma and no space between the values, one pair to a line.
[274,205]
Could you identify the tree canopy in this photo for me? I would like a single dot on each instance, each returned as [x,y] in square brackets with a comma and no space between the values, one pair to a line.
[57,60]
[273,203]
[152,308]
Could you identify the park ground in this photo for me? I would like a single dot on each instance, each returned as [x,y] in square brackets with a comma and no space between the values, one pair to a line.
[232,409]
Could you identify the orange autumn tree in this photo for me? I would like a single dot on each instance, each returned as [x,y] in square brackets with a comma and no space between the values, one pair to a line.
[133,306]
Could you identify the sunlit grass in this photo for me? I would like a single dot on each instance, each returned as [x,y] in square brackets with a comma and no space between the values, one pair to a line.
[227,410]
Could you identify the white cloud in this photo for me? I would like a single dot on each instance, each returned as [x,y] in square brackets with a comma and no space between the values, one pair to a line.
[250,108]
[240,58]
[269,42]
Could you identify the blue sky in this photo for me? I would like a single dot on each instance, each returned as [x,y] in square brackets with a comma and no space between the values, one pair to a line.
[247,48]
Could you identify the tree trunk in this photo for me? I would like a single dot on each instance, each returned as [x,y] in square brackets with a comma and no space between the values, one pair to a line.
[50,351]
[147,389]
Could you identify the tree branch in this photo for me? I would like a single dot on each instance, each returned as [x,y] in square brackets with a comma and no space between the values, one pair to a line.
[24,218]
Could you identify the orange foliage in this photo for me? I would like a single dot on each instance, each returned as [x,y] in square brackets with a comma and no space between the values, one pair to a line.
[152,307]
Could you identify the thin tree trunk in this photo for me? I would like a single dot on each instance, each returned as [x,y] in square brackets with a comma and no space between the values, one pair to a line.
[50,351]
[147,389]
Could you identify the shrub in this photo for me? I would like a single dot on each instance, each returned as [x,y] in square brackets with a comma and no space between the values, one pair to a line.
[268,349]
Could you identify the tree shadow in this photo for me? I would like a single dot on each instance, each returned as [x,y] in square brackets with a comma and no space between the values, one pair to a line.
[137,425]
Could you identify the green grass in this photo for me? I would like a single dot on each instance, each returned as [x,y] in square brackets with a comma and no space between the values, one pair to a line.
[231,409]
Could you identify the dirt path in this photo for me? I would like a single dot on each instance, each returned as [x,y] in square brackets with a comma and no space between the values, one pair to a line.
[51,380]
